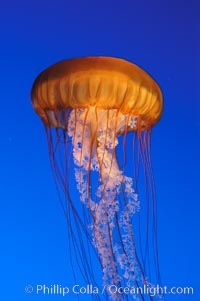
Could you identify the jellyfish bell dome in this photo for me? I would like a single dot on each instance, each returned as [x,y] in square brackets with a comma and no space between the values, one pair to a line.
[103,83]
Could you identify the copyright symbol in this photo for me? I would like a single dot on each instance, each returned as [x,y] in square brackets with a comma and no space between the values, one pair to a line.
[29,289]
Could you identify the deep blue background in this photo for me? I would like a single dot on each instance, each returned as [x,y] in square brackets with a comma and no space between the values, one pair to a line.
[160,36]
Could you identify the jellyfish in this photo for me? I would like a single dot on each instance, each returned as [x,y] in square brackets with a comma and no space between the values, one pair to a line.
[98,114]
